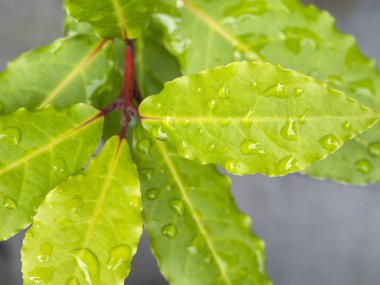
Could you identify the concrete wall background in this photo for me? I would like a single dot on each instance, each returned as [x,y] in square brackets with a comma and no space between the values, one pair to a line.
[317,232]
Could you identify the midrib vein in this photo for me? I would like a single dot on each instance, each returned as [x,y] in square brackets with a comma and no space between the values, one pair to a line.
[119,15]
[213,24]
[73,74]
[99,204]
[194,214]
[48,146]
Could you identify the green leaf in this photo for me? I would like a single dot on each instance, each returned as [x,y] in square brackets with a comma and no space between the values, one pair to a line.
[39,150]
[205,34]
[112,18]
[73,28]
[70,70]
[97,219]
[196,231]
[154,64]
[253,117]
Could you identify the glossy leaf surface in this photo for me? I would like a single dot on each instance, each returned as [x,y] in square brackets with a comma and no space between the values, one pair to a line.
[70,70]
[39,150]
[196,231]
[253,117]
[154,64]
[205,34]
[112,18]
[97,219]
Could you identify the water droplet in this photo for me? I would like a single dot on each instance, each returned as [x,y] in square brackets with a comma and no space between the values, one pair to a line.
[289,130]
[41,275]
[254,86]
[225,122]
[298,92]
[120,258]
[363,166]
[287,164]
[28,235]
[88,263]
[211,147]
[303,117]
[330,142]
[146,173]
[45,252]
[248,119]
[170,231]
[66,224]
[144,146]
[231,165]
[374,149]
[152,194]
[135,202]
[281,91]
[185,123]
[211,104]
[224,92]
[192,250]
[73,281]
[160,133]
[347,126]
[11,135]
[177,206]
[10,204]
[74,203]
[169,122]
[249,147]
[59,165]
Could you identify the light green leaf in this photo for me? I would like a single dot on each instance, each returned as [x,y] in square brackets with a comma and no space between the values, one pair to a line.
[112,18]
[205,34]
[154,64]
[196,231]
[39,150]
[70,70]
[253,117]
[87,230]
[73,28]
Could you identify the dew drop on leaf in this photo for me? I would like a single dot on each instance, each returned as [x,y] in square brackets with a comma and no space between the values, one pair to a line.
[41,275]
[254,85]
[177,206]
[281,91]
[119,257]
[224,92]
[298,92]
[249,147]
[363,166]
[74,203]
[45,252]
[146,173]
[88,263]
[169,231]
[73,281]
[231,165]
[185,123]
[11,135]
[225,122]
[289,130]
[211,147]
[28,235]
[160,133]
[248,119]
[144,146]
[347,126]
[374,149]
[152,194]
[303,117]
[60,165]
[135,202]
[287,164]
[211,104]
[330,142]
[10,204]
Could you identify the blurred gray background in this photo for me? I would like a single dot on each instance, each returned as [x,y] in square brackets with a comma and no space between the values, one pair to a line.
[317,233]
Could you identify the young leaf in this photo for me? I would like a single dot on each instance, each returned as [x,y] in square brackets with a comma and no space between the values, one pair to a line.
[154,64]
[70,70]
[253,117]
[39,150]
[97,217]
[196,231]
[112,18]
[205,34]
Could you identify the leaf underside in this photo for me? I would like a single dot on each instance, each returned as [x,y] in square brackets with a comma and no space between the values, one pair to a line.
[253,117]
[39,150]
[97,219]
[112,18]
[206,34]
[79,69]
[196,231]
